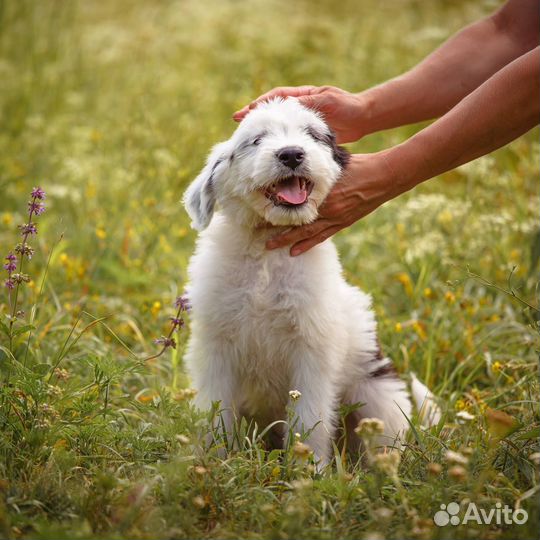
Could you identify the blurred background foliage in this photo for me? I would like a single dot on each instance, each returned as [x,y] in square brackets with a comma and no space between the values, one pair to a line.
[111,107]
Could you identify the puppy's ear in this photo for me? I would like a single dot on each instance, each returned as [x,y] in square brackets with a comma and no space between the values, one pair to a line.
[200,196]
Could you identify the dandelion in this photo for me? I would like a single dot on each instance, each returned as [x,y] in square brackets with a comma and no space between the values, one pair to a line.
[295,395]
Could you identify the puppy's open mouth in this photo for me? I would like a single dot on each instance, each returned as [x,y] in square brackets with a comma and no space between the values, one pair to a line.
[291,191]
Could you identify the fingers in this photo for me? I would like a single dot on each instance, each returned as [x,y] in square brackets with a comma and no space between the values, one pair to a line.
[280,91]
[295,235]
[305,245]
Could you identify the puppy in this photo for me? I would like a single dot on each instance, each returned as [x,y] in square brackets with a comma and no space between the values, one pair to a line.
[264,323]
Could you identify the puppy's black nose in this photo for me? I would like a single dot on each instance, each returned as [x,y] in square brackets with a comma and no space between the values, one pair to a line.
[291,156]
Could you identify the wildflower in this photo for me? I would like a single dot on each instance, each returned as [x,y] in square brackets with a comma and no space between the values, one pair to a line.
[428,293]
[38,193]
[186,393]
[301,450]
[419,328]
[450,297]
[101,233]
[434,469]
[156,308]
[388,462]
[461,404]
[177,323]
[199,502]
[303,483]
[295,395]
[166,342]
[20,277]
[28,228]
[11,264]
[182,303]
[369,427]
[24,250]
[405,280]
[7,218]
[398,327]
[9,284]
[464,416]
[35,208]
[61,374]
[456,458]
[496,367]
[457,473]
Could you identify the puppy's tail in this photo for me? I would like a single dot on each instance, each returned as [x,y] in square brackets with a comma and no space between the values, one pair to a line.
[428,410]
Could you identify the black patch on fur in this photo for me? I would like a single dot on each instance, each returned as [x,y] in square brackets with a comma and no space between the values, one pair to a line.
[341,155]
[386,370]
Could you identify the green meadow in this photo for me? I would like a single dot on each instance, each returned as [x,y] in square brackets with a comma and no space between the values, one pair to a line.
[111,108]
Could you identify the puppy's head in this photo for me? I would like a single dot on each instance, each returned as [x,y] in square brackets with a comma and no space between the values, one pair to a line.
[278,167]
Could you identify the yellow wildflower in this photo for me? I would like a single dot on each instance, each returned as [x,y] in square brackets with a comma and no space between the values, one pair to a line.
[405,280]
[156,308]
[101,233]
[450,297]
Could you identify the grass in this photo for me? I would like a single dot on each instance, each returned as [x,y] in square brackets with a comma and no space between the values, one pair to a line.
[111,107]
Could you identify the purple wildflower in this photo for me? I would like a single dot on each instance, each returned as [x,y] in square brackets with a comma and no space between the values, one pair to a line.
[28,228]
[166,342]
[9,283]
[11,264]
[38,193]
[182,303]
[177,322]
[36,208]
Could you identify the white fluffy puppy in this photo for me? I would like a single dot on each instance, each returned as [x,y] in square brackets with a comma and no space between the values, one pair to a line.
[264,323]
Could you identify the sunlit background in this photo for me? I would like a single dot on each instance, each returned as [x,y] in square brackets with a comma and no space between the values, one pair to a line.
[111,107]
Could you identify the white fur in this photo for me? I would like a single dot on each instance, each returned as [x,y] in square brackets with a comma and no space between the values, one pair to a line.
[264,323]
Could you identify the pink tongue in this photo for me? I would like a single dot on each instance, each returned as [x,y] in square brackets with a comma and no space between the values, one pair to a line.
[291,192]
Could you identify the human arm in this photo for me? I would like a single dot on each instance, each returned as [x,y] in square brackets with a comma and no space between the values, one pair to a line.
[498,111]
[432,87]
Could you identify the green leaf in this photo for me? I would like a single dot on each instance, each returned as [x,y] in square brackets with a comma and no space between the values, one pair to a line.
[4,328]
[531,434]
[23,330]
[41,369]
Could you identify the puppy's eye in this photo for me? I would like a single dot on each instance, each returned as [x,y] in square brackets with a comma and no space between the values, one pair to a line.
[257,141]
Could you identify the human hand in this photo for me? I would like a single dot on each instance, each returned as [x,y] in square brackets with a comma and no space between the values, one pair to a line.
[366,183]
[342,110]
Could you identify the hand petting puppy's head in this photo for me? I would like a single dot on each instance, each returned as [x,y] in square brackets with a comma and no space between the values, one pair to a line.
[278,167]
